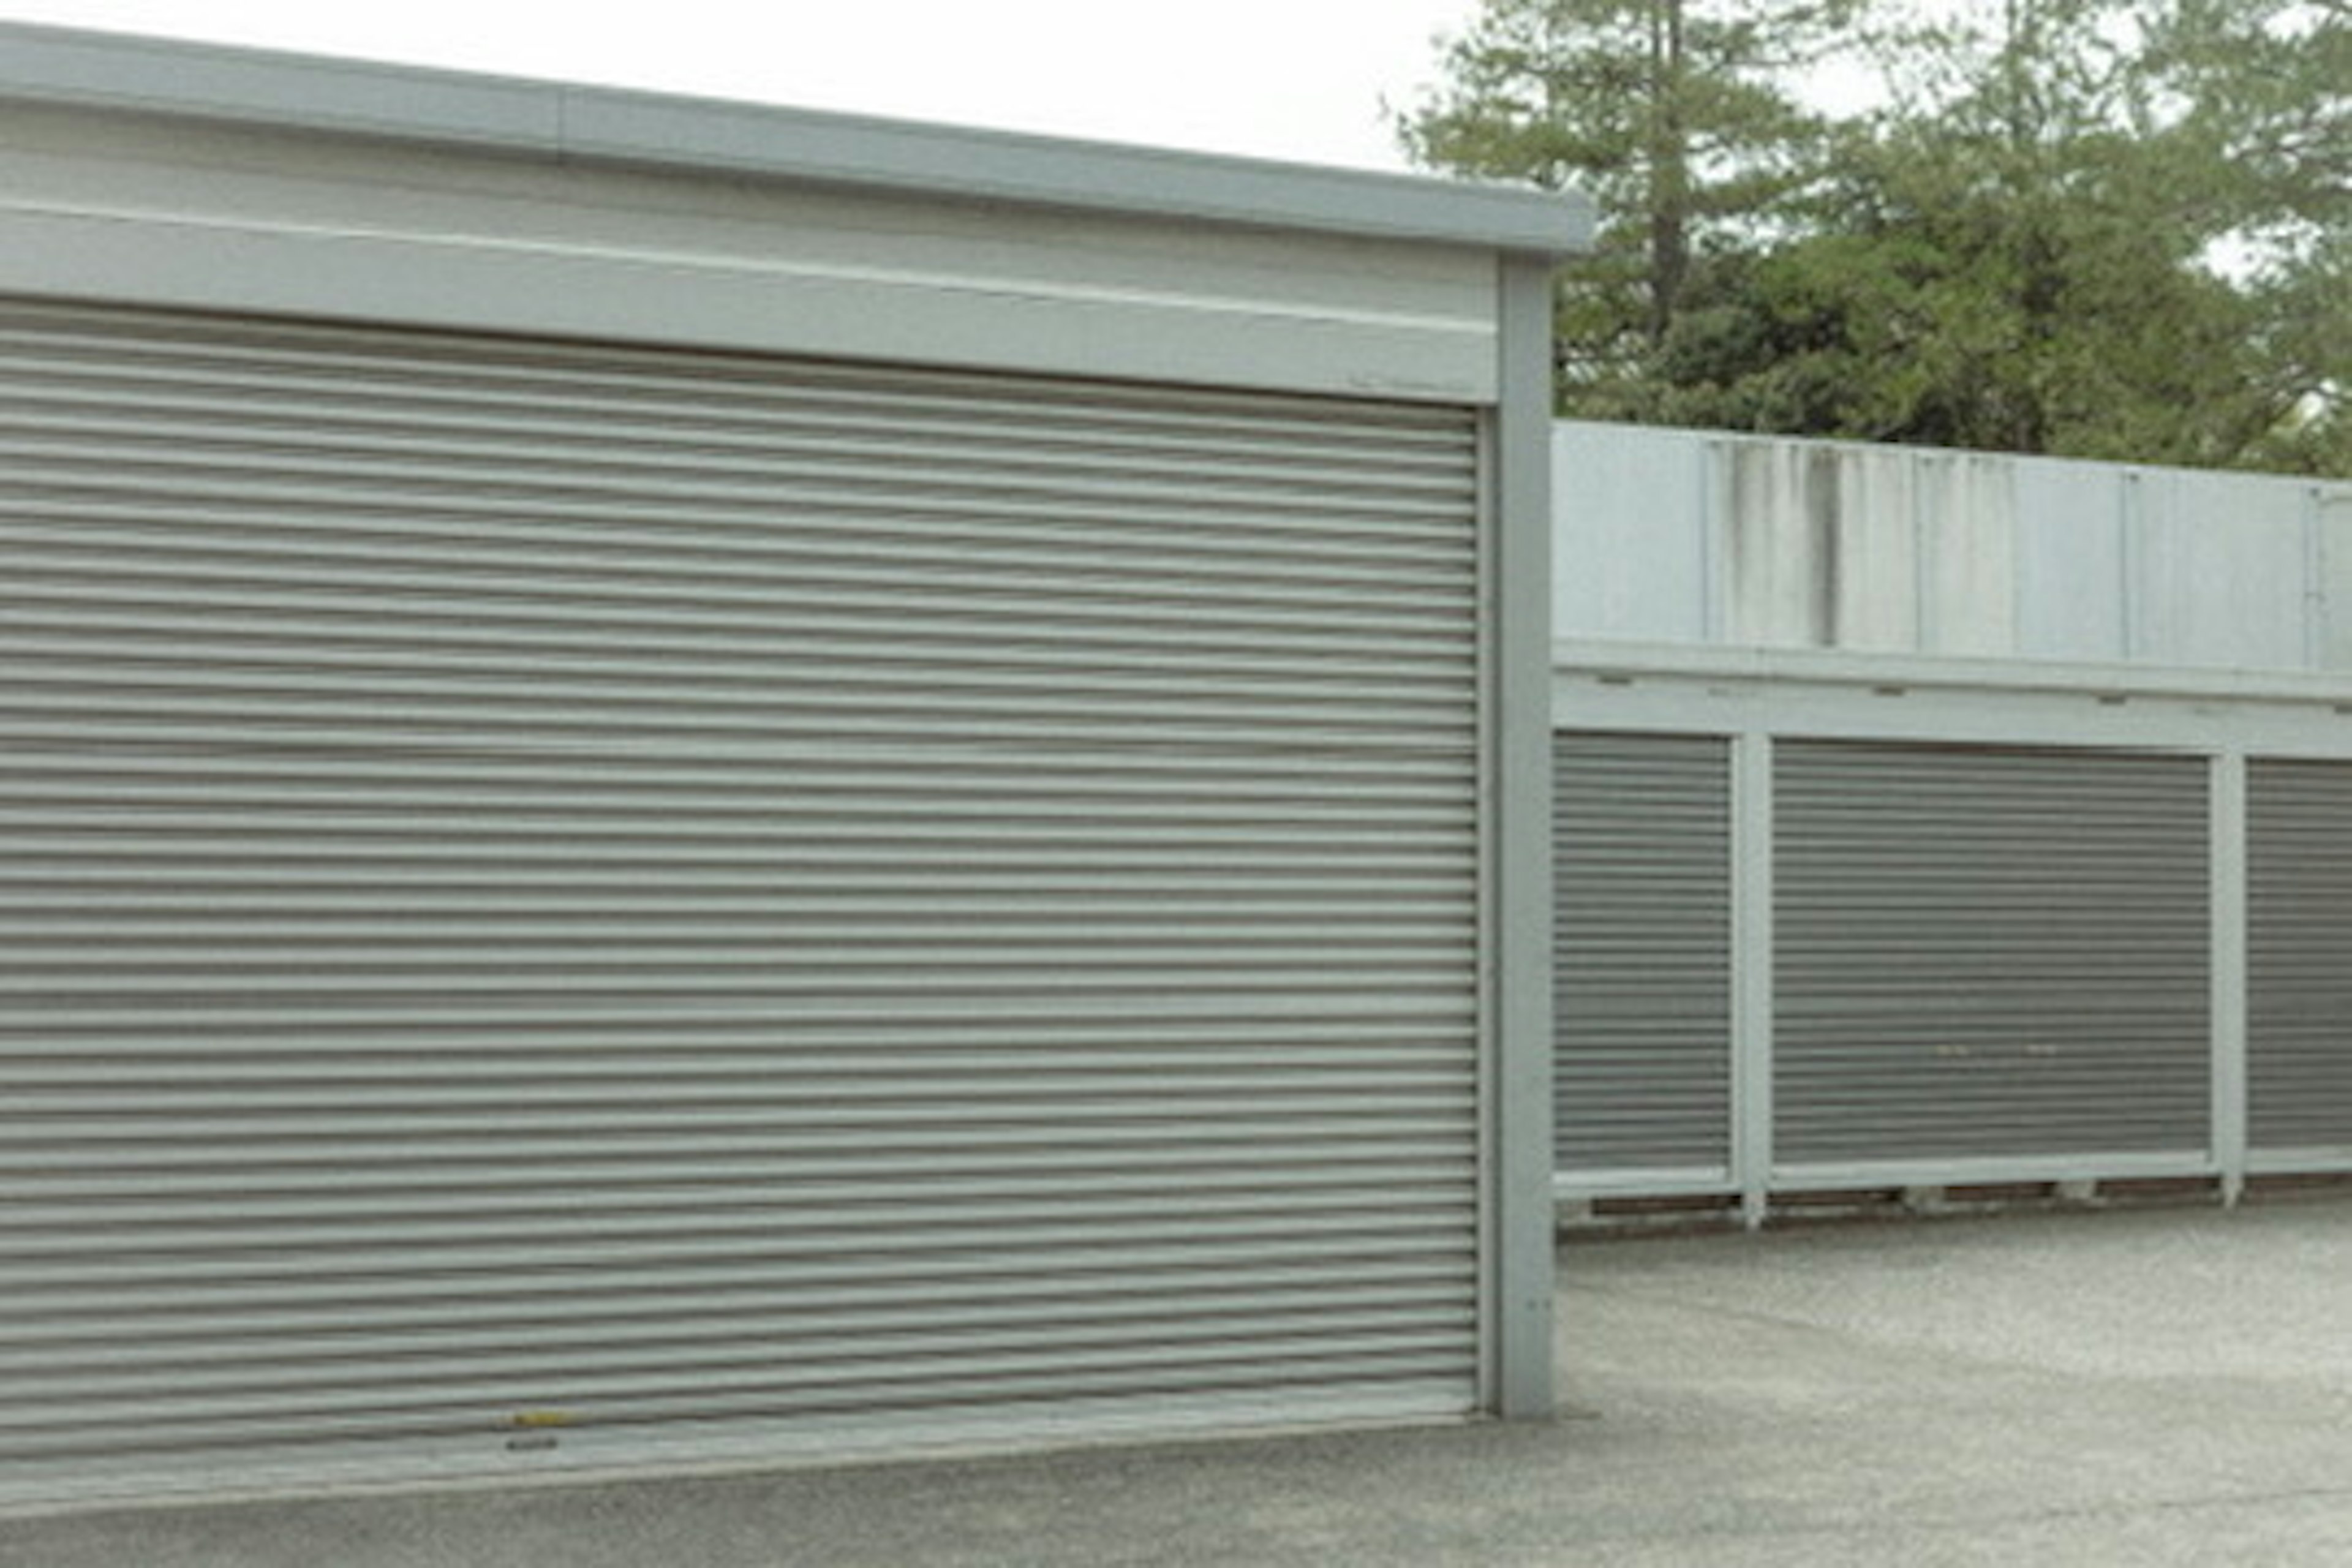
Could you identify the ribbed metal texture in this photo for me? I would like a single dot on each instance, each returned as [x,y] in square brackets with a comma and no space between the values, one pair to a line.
[1642,951]
[1987,953]
[2298,954]
[553,892]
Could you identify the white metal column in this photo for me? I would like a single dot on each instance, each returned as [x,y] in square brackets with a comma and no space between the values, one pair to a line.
[1752,939]
[2230,911]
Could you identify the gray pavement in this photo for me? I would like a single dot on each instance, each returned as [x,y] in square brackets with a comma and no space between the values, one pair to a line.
[2146,1387]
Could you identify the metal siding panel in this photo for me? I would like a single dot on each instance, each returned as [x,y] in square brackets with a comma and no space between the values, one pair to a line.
[2223,578]
[192,88]
[2299,955]
[1968,542]
[216,217]
[2074,580]
[1986,952]
[1780,568]
[1631,524]
[1694,537]
[2330,592]
[1641,952]
[571,897]
[1873,536]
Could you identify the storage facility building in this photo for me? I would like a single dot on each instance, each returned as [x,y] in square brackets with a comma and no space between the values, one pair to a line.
[683,782]
[1932,820]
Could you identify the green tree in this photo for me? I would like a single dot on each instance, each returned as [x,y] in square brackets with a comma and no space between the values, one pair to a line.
[1674,115]
[2269,83]
[1942,315]
[2121,226]
[2111,228]
[2010,257]
[2268,86]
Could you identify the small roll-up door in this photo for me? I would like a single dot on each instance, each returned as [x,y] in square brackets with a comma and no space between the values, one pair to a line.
[1642,958]
[2299,955]
[562,898]
[1988,953]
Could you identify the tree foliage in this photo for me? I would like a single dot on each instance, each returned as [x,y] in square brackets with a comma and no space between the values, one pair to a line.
[1674,114]
[2268,86]
[2112,228]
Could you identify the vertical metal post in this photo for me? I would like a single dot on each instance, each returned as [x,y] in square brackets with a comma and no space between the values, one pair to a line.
[1519,911]
[2229,913]
[1751,973]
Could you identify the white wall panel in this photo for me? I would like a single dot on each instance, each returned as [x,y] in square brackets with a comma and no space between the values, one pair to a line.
[1877,547]
[2074,581]
[1633,539]
[1779,533]
[1695,538]
[1966,510]
[2330,593]
[2223,570]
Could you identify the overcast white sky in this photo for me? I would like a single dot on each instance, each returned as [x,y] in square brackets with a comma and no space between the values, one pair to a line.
[1300,80]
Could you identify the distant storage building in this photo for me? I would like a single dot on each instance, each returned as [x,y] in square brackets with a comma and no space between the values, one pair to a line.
[1930,819]
[682,781]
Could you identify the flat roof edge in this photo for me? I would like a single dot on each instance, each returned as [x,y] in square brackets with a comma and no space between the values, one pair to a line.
[273,90]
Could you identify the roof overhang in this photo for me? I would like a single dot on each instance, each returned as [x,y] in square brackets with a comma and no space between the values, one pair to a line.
[524,119]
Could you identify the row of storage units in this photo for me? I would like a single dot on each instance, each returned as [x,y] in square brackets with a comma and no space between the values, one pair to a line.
[1827,922]
[683,783]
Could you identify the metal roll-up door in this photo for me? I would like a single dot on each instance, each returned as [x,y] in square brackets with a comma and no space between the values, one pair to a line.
[1641,952]
[1987,953]
[559,897]
[2298,955]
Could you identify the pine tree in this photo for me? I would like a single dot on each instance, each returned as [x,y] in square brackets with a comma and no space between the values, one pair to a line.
[1674,115]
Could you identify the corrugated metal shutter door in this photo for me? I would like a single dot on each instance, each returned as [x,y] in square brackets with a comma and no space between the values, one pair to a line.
[1988,953]
[1641,955]
[2299,955]
[560,895]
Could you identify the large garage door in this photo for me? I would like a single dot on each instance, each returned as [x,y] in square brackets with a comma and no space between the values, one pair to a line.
[2299,955]
[1641,961]
[1988,953]
[556,896]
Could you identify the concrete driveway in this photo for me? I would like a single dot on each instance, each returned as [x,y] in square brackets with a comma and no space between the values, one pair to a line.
[2147,1387]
